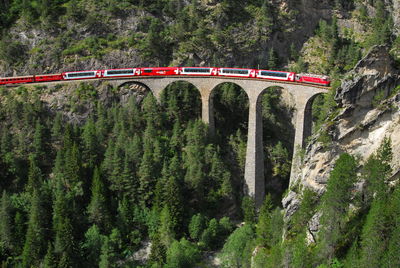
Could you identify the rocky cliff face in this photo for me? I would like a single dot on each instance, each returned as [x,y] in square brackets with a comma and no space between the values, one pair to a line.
[369,101]
[66,45]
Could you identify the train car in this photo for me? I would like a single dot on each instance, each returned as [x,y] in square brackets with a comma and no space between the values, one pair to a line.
[48,77]
[121,72]
[159,71]
[17,80]
[313,79]
[199,71]
[236,72]
[82,75]
[275,75]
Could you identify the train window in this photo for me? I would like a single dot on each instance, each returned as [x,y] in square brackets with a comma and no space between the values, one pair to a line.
[276,74]
[148,70]
[80,74]
[196,70]
[235,71]
[114,72]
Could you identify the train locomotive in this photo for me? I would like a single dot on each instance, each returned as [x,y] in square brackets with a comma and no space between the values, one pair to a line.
[320,80]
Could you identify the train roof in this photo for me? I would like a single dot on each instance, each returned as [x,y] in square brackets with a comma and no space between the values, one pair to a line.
[313,75]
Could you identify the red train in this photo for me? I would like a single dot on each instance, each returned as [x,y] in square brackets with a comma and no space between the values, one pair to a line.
[172,71]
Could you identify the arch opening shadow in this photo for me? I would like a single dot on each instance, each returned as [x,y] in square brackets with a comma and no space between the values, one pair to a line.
[181,100]
[316,111]
[231,110]
[231,115]
[277,106]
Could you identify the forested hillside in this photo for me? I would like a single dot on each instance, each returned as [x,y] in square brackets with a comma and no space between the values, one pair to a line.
[97,176]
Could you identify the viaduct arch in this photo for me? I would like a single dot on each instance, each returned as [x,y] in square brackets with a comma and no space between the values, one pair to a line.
[303,96]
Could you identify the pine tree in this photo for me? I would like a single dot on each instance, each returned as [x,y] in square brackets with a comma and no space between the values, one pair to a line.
[129,180]
[175,142]
[174,202]
[263,228]
[376,170]
[90,144]
[38,144]
[373,242]
[72,171]
[49,259]
[151,112]
[146,170]
[194,159]
[6,235]
[166,230]
[35,238]
[335,204]
[98,207]
[158,251]
[220,175]
[34,175]
[135,151]
[63,229]
[57,128]
[20,231]
[117,165]
[272,59]
[197,226]
[249,210]
[93,244]
[300,255]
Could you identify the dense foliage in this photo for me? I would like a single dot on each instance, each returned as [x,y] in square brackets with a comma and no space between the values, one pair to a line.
[93,192]
[92,183]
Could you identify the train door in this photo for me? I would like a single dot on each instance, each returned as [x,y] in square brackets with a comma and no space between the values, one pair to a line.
[99,73]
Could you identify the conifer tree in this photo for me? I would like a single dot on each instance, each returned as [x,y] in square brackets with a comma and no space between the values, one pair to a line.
[34,246]
[90,143]
[376,170]
[249,209]
[38,144]
[34,175]
[151,111]
[146,170]
[92,245]
[6,234]
[135,151]
[335,203]
[57,128]
[263,228]
[97,208]
[49,259]
[194,158]
[166,230]
[373,242]
[175,142]
[272,59]
[20,231]
[197,226]
[174,202]
[129,180]
[72,171]
[158,251]
[220,175]
[117,164]
[159,192]
[64,245]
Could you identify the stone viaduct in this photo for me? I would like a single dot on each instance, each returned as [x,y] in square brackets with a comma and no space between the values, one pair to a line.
[303,96]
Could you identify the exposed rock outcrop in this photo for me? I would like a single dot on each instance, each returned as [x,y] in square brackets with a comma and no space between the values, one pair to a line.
[369,102]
